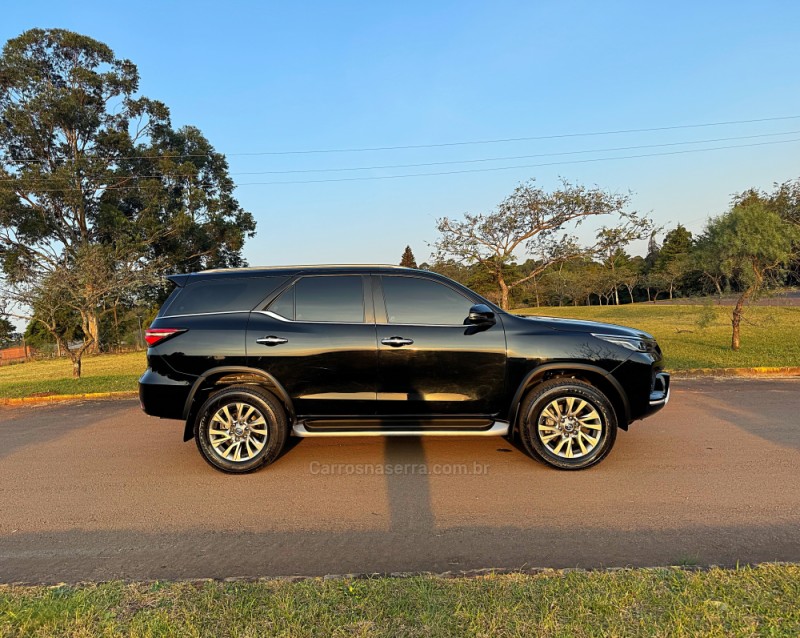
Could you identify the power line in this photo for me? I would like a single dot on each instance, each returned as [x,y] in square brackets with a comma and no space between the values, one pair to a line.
[451,162]
[522,139]
[516,157]
[118,185]
[442,144]
[506,168]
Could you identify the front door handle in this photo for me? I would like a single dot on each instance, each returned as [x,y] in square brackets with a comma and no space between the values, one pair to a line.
[396,342]
[271,340]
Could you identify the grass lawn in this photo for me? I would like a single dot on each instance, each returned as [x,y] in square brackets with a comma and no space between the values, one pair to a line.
[770,334]
[646,602]
[101,373]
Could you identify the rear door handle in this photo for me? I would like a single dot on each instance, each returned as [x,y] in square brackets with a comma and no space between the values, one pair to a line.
[396,342]
[271,340]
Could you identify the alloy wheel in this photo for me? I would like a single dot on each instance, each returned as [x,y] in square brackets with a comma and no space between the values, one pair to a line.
[570,427]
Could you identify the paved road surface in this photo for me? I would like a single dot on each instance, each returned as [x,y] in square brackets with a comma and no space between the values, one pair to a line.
[96,491]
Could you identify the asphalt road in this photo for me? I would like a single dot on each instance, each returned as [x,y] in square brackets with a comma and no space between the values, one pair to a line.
[98,491]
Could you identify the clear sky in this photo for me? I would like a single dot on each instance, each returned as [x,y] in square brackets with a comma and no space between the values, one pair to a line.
[287,76]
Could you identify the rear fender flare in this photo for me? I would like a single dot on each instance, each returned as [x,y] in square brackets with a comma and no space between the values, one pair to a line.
[269,382]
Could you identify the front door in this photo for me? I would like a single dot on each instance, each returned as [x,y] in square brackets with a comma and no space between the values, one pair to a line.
[318,340]
[429,362]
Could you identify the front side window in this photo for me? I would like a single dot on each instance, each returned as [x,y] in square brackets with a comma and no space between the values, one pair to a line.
[324,299]
[411,300]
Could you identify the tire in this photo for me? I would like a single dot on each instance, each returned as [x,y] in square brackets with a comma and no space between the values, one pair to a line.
[568,424]
[241,429]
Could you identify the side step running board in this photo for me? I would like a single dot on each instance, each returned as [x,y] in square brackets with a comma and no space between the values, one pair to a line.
[498,428]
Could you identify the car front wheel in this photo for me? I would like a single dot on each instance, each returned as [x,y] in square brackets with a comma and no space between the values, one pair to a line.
[567,423]
[240,429]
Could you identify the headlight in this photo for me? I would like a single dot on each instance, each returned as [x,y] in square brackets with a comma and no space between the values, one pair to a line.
[631,343]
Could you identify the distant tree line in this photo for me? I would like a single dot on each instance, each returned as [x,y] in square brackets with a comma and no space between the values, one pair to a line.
[753,247]
[679,265]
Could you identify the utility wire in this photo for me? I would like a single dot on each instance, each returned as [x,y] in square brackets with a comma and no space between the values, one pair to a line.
[517,157]
[451,162]
[117,186]
[523,139]
[443,144]
[506,168]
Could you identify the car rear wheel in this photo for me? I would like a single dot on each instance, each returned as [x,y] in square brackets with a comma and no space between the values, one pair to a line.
[568,424]
[240,429]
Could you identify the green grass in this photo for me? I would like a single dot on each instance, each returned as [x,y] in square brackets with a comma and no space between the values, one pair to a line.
[646,602]
[770,335]
[101,373]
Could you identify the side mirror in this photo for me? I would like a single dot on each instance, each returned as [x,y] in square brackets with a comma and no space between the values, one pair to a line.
[481,315]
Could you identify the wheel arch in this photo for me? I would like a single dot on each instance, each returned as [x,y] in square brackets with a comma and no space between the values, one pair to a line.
[594,375]
[221,377]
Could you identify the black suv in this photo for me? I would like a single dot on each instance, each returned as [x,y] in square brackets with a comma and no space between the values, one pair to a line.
[247,357]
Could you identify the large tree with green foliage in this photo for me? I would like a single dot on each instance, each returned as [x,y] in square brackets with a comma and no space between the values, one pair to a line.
[94,178]
[752,246]
[534,222]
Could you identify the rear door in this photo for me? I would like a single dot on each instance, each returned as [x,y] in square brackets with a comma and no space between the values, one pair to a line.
[429,362]
[318,340]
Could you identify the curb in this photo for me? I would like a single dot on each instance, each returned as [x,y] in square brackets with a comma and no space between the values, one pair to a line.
[54,398]
[789,371]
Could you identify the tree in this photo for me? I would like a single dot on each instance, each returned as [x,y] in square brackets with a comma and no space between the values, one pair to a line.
[673,261]
[91,175]
[752,246]
[533,221]
[8,332]
[407,259]
[783,200]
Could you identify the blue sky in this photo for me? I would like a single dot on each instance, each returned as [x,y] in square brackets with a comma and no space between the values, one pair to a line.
[271,76]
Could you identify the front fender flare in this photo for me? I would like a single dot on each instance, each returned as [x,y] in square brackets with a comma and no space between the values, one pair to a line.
[538,372]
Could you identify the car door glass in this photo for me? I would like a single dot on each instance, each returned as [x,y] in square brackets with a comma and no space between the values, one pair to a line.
[284,304]
[410,300]
[330,299]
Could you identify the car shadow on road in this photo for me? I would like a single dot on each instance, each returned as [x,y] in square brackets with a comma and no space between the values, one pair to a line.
[33,425]
[81,555]
[763,413]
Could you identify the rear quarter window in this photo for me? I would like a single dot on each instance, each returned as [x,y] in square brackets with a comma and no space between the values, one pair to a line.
[226,294]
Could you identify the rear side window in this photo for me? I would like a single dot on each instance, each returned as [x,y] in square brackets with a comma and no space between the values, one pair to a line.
[226,294]
[323,299]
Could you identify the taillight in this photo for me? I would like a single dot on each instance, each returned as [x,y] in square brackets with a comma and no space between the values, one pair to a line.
[154,336]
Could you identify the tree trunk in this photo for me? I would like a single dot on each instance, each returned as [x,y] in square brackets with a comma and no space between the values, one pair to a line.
[503,292]
[648,293]
[93,335]
[630,292]
[616,296]
[76,367]
[736,318]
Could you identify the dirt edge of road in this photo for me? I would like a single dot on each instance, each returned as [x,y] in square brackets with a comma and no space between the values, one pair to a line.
[486,572]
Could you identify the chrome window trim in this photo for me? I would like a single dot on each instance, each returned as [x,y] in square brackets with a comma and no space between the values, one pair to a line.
[323,323]
[203,314]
